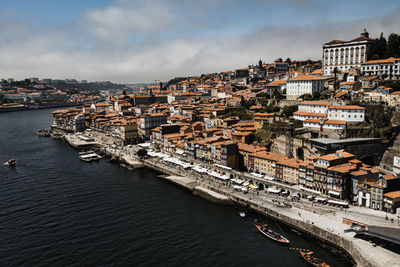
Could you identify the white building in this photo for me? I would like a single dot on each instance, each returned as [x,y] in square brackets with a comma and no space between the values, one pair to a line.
[345,54]
[346,113]
[314,106]
[303,84]
[381,67]
[311,110]
[326,124]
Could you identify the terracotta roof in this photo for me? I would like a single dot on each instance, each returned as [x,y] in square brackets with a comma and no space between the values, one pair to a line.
[380,61]
[277,83]
[392,195]
[335,42]
[345,107]
[389,177]
[338,122]
[310,114]
[315,103]
[306,78]
[340,94]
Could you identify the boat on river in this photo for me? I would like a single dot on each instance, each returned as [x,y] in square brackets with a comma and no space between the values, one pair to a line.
[267,231]
[308,256]
[11,162]
[88,157]
[242,214]
[43,133]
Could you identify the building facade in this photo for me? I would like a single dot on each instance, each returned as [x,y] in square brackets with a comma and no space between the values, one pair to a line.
[344,55]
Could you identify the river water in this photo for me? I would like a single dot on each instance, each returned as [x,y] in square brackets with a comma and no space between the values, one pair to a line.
[58,211]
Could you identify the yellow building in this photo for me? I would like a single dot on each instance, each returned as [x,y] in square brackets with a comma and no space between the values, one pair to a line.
[244,151]
[288,170]
[265,162]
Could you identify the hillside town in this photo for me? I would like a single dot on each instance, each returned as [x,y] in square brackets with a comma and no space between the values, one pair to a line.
[329,126]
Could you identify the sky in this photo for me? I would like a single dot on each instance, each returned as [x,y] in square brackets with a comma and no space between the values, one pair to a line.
[132,41]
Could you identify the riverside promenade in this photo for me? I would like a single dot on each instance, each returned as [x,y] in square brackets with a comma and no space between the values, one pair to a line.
[327,226]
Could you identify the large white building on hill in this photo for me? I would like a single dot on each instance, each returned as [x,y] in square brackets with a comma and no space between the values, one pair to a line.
[345,54]
[303,84]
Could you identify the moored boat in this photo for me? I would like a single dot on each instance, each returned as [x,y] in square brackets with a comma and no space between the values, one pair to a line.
[43,133]
[89,156]
[242,214]
[308,256]
[265,230]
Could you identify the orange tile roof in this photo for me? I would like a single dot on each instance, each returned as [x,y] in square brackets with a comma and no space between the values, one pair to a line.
[310,114]
[345,107]
[338,122]
[393,195]
[315,103]
[380,61]
[306,78]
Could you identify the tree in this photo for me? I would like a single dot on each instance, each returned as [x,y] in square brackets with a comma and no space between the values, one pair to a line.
[393,46]
[288,111]
[378,49]
[288,61]
[306,97]
[262,136]
[142,153]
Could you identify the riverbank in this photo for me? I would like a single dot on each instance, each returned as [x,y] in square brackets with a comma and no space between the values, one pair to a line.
[22,107]
[326,227]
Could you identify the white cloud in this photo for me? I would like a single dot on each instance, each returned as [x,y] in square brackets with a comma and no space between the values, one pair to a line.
[67,53]
[117,23]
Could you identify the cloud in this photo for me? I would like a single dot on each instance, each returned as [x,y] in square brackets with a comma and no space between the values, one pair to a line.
[126,42]
[117,23]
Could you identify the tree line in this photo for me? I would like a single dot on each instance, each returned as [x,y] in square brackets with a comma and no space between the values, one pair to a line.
[385,48]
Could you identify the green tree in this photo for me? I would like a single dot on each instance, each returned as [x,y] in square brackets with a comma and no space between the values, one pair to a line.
[288,111]
[306,97]
[378,49]
[393,46]
[142,153]
[262,136]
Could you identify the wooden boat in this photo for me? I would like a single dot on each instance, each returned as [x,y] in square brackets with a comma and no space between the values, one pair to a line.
[313,260]
[265,230]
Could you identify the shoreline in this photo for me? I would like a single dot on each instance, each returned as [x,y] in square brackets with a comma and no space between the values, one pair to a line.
[359,251]
[26,108]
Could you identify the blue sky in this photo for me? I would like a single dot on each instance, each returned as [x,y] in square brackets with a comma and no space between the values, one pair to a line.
[136,41]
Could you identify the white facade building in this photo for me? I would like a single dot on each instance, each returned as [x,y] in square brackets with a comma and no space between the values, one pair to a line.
[326,124]
[346,113]
[314,106]
[380,67]
[303,84]
[345,54]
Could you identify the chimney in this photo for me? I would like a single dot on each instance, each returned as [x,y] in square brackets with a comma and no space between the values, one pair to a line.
[365,34]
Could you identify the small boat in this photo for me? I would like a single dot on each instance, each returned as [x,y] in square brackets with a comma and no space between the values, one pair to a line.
[43,133]
[265,230]
[313,260]
[11,163]
[242,214]
[85,157]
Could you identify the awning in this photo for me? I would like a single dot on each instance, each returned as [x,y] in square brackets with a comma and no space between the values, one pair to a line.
[344,204]
[309,190]
[223,167]
[320,199]
[334,193]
